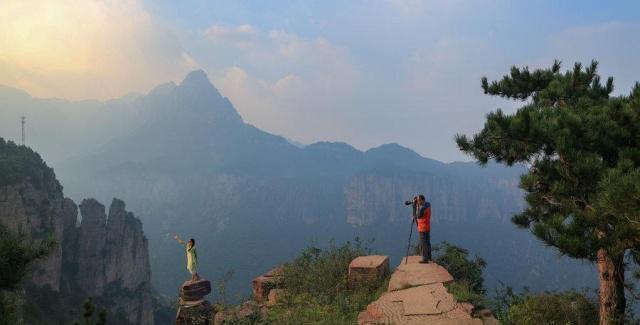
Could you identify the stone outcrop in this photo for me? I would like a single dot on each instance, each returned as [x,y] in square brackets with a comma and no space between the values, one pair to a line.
[364,270]
[106,258]
[417,295]
[263,284]
[193,308]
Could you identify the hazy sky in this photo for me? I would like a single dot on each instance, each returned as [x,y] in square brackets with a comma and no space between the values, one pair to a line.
[364,72]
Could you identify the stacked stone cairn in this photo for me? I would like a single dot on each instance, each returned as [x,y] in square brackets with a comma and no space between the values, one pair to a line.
[193,308]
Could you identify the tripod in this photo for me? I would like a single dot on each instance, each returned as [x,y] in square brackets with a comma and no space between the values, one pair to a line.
[413,220]
[406,259]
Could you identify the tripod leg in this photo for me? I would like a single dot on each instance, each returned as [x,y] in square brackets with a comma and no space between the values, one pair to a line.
[406,259]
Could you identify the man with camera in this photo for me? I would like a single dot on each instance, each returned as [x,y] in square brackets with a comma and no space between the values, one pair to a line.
[422,217]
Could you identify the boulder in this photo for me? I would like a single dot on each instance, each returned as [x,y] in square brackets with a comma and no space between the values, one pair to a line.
[261,285]
[194,312]
[195,290]
[364,270]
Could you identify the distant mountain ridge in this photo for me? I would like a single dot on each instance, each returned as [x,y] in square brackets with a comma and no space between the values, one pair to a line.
[183,158]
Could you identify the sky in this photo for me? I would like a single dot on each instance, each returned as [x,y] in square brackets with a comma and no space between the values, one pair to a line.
[362,72]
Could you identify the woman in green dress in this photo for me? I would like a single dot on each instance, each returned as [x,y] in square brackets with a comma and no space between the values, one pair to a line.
[192,256]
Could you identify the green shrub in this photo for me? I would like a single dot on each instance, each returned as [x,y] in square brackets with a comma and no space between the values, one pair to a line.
[316,288]
[462,291]
[10,306]
[16,254]
[548,308]
[464,270]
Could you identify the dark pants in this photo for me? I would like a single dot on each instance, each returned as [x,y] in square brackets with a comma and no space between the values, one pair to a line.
[425,245]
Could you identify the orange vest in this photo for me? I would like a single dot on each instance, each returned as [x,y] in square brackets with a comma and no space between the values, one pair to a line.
[424,223]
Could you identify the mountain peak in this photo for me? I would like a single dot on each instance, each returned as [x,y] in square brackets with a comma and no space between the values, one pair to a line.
[196,77]
[197,83]
[393,148]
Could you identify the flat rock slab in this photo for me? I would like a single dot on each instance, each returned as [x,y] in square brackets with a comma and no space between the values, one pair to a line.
[413,274]
[367,262]
[425,300]
[430,299]
[387,311]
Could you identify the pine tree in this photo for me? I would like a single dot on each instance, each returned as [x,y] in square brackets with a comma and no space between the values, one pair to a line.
[582,147]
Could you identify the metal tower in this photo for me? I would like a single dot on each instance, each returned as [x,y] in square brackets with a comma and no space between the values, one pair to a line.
[23,120]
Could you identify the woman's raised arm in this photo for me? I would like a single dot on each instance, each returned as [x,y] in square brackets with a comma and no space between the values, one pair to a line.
[180,241]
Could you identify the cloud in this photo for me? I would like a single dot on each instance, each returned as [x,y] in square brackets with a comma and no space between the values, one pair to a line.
[283,82]
[241,36]
[217,31]
[417,8]
[86,48]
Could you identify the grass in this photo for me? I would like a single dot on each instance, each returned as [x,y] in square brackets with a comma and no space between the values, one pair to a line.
[316,288]
[462,292]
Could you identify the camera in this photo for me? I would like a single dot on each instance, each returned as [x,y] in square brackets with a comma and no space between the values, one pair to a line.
[412,201]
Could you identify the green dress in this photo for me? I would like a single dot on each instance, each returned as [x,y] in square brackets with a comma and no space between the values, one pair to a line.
[192,260]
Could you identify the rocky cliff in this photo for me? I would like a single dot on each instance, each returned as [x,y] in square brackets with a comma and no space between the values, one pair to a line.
[104,257]
[112,260]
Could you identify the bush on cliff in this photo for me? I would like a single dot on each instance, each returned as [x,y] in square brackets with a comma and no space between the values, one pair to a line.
[456,260]
[566,307]
[316,288]
[15,256]
[467,272]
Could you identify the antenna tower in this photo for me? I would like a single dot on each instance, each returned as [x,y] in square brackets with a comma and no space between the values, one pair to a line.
[23,120]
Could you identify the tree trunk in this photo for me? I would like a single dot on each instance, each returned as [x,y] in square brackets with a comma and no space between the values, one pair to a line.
[611,276]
